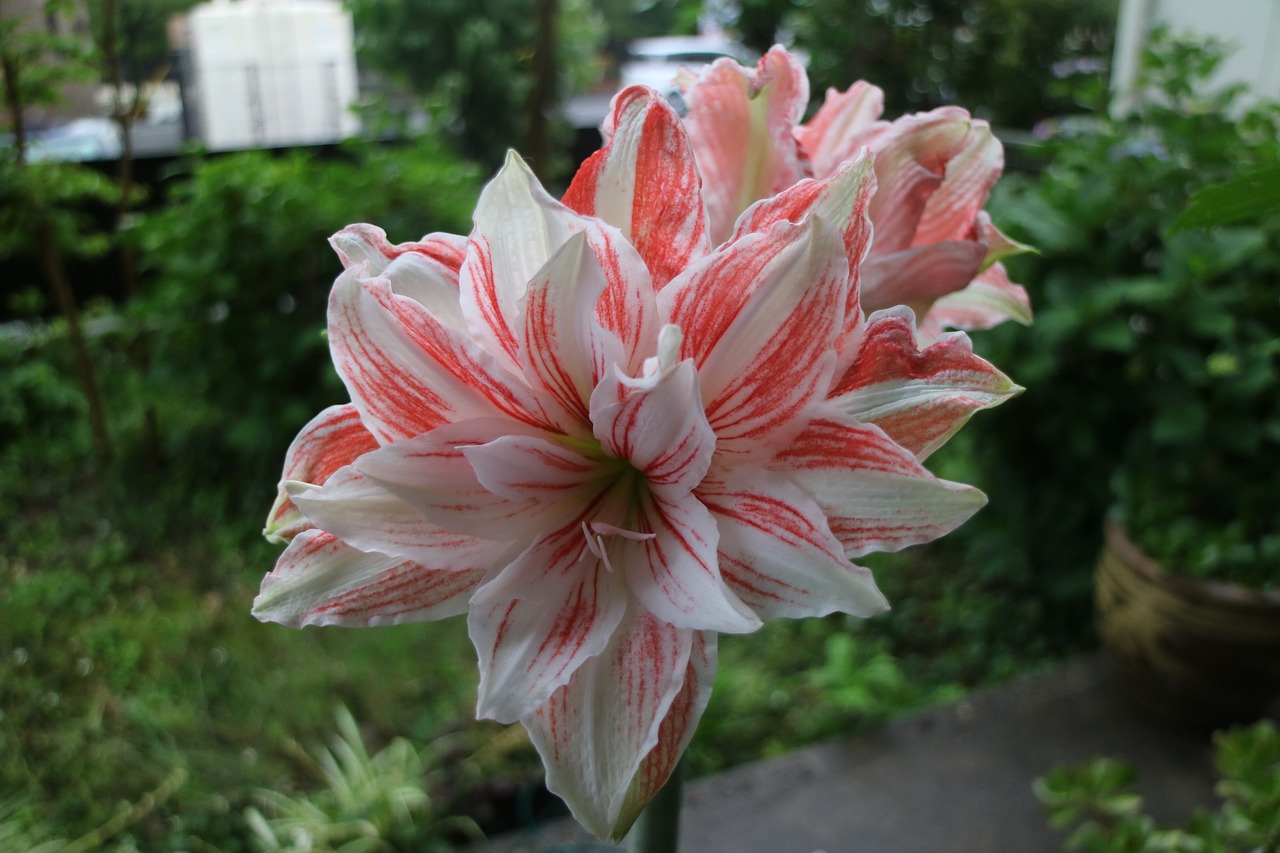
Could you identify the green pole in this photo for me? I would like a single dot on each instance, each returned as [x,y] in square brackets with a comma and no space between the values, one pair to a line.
[657,830]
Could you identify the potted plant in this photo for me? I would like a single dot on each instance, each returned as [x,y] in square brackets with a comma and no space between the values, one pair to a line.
[1188,585]
[1158,352]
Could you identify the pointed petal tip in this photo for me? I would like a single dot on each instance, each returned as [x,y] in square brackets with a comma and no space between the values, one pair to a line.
[971,500]
[877,604]
[513,160]
[270,606]
[272,534]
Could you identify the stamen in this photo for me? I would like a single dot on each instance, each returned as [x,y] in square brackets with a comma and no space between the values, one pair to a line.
[604,554]
[594,545]
[597,530]
[606,529]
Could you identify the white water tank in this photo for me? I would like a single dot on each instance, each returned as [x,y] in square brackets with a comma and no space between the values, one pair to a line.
[267,73]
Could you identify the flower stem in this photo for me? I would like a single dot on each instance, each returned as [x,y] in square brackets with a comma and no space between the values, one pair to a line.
[657,830]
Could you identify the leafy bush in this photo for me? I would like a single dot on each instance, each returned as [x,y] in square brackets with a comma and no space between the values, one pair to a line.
[239,275]
[1011,61]
[1098,800]
[127,656]
[1149,350]
[476,61]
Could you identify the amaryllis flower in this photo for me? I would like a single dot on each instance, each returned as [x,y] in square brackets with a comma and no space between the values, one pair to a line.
[606,441]
[934,248]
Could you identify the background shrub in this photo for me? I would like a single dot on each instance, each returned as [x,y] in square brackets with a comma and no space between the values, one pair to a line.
[239,273]
[1143,341]
[1013,62]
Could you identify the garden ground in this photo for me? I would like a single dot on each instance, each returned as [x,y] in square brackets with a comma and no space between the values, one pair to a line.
[955,778]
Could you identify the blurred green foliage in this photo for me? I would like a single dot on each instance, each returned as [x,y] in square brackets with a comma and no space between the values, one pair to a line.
[38,61]
[142,39]
[1245,198]
[126,651]
[797,682]
[1013,62]
[1097,801]
[369,803]
[1152,369]
[119,675]
[473,62]
[71,198]
[241,275]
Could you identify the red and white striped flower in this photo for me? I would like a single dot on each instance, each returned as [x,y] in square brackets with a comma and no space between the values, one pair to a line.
[606,441]
[934,249]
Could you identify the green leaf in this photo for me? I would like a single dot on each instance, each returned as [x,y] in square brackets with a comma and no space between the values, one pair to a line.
[1248,197]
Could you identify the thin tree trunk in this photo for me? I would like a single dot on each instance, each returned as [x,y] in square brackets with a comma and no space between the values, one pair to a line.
[54,272]
[125,115]
[543,93]
[56,277]
[13,98]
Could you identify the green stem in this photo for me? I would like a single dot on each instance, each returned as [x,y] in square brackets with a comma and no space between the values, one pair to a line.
[657,830]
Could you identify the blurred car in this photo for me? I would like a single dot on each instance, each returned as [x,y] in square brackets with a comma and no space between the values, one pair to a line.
[655,62]
[81,140]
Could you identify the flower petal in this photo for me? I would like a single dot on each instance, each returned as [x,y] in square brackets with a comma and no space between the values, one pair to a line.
[676,731]
[740,125]
[366,516]
[920,398]
[432,473]
[760,318]
[987,301]
[999,245]
[523,467]
[658,426]
[519,227]
[644,182]
[842,199]
[876,496]
[368,244]
[597,732]
[839,128]
[426,271]
[552,609]
[970,174]
[320,580]
[921,275]
[911,163]
[778,553]
[332,439]
[674,572]
[408,372]
[562,347]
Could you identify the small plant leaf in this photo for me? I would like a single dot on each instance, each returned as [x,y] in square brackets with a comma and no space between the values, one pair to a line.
[1248,197]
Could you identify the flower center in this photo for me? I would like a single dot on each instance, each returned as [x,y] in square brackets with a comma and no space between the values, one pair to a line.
[616,513]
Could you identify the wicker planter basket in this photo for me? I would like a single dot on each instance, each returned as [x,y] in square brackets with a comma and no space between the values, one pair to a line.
[1194,654]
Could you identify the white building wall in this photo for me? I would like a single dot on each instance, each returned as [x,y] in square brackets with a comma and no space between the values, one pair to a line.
[1251,27]
[272,72]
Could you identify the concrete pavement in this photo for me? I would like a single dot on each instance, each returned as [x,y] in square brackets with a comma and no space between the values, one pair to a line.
[952,779]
